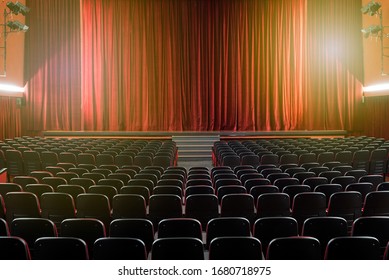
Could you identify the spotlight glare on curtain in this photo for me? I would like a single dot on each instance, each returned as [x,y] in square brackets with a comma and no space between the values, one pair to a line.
[11,88]
[375,88]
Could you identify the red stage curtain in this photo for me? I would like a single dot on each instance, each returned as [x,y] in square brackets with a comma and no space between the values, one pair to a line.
[161,65]
[53,66]
[334,64]
[10,120]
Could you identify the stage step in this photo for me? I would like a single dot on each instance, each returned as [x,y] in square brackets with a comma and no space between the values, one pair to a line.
[195,147]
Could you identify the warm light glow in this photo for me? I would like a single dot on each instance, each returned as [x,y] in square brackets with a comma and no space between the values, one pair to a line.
[11,88]
[375,88]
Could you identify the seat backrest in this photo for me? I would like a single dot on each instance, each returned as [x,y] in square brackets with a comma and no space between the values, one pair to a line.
[308,204]
[14,248]
[363,188]
[324,229]
[375,179]
[344,181]
[119,248]
[173,248]
[30,229]
[376,204]
[9,187]
[235,248]
[60,248]
[353,248]
[202,207]
[227,226]
[312,182]
[162,206]
[273,204]
[4,230]
[246,208]
[87,229]
[376,226]
[108,191]
[347,205]
[268,228]
[57,207]
[180,227]
[21,204]
[294,248]
[128,206]
[93,205]
[281,183]
[54,181]
[25,180]
[142,229]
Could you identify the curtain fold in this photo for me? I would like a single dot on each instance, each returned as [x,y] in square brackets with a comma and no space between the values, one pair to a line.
[193,65]
[10,118]
[53,66]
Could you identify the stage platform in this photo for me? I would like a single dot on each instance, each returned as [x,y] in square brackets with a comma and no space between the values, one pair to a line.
[222,134]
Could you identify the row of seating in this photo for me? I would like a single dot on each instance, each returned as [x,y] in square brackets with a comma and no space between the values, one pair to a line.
[225,238]
[367,153]
[24,155]
[201,197]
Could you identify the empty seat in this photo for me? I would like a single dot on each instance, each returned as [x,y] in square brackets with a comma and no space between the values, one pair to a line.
[108,191]
[180,227]
[54,181]
[375,179]
[177,248]
[238,205]
[14,161]
[57,207]
[60,248]
[92,205]
[308,204]
[25,180]
[9,187]
[162,206]
[128,206]
[32,161]
[14,248]
[4,230]
[119,248]
[375,226]
[353,248]
[378,161]
[227,226]
[83,182]
[20,205]
[361,160]
[135,228]
[73,190]
[376,204]
[30,229]
[38,189]
[268,228]
[328,190]
[324,229]
[39,175]
[202,207]
[313,182]
[283,182]
[294,248]
[363,188]
[273,205]
[87,229]
[347,205]
[235,248]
